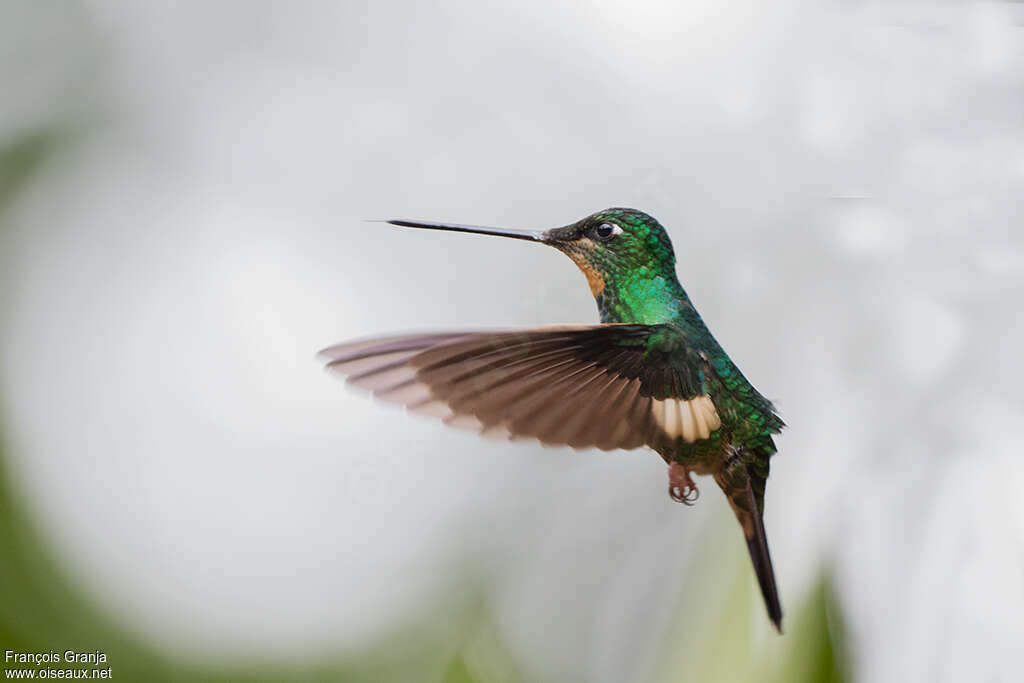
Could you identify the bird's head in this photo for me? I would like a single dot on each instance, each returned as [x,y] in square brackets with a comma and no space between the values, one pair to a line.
[625,254]
[614,246]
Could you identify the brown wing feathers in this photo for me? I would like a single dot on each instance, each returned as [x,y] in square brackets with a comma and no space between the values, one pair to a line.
[579,386]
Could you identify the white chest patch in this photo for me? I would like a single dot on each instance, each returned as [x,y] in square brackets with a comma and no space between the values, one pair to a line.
[690,420]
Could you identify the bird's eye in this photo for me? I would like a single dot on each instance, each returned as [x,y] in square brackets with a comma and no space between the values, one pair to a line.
[606,231]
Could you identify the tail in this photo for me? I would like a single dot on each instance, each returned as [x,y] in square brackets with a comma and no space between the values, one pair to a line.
[737,486]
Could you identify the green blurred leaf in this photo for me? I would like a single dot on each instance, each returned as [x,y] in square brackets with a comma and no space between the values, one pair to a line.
[20,158]
[724,635]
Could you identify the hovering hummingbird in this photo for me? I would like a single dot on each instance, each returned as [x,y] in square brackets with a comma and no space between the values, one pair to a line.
[651,374]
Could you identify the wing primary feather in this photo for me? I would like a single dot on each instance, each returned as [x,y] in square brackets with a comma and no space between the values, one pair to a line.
[509,393]
[453,375]
[579,429]
[405,393]
[549,413]
[383,379]
[566,397]
[456,352]
[615,411]
[604,409]
[475,386]
[368,363]
[624,433]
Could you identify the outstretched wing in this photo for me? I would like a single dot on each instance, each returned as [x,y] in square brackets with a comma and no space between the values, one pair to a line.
[606,386]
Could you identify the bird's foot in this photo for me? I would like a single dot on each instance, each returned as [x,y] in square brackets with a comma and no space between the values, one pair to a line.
[680,485]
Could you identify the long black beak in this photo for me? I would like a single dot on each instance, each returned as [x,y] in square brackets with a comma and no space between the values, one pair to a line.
[533,235]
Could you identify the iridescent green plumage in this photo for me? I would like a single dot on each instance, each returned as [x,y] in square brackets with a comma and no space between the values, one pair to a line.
[650,375]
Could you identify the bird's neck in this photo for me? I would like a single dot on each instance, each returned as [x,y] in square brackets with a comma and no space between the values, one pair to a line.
[642,297]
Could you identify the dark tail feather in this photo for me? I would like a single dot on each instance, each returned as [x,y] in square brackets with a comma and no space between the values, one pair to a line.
[743,503]
[757,543]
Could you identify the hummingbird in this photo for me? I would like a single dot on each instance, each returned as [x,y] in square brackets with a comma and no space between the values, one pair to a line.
[649,375]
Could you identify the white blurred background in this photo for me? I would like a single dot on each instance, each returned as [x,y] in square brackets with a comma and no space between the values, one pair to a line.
[843,182]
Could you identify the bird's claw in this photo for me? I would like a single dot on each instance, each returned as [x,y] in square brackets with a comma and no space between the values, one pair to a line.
[680,485]
[687,495]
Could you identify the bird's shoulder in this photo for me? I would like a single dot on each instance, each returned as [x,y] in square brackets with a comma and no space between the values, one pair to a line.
[690,348]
